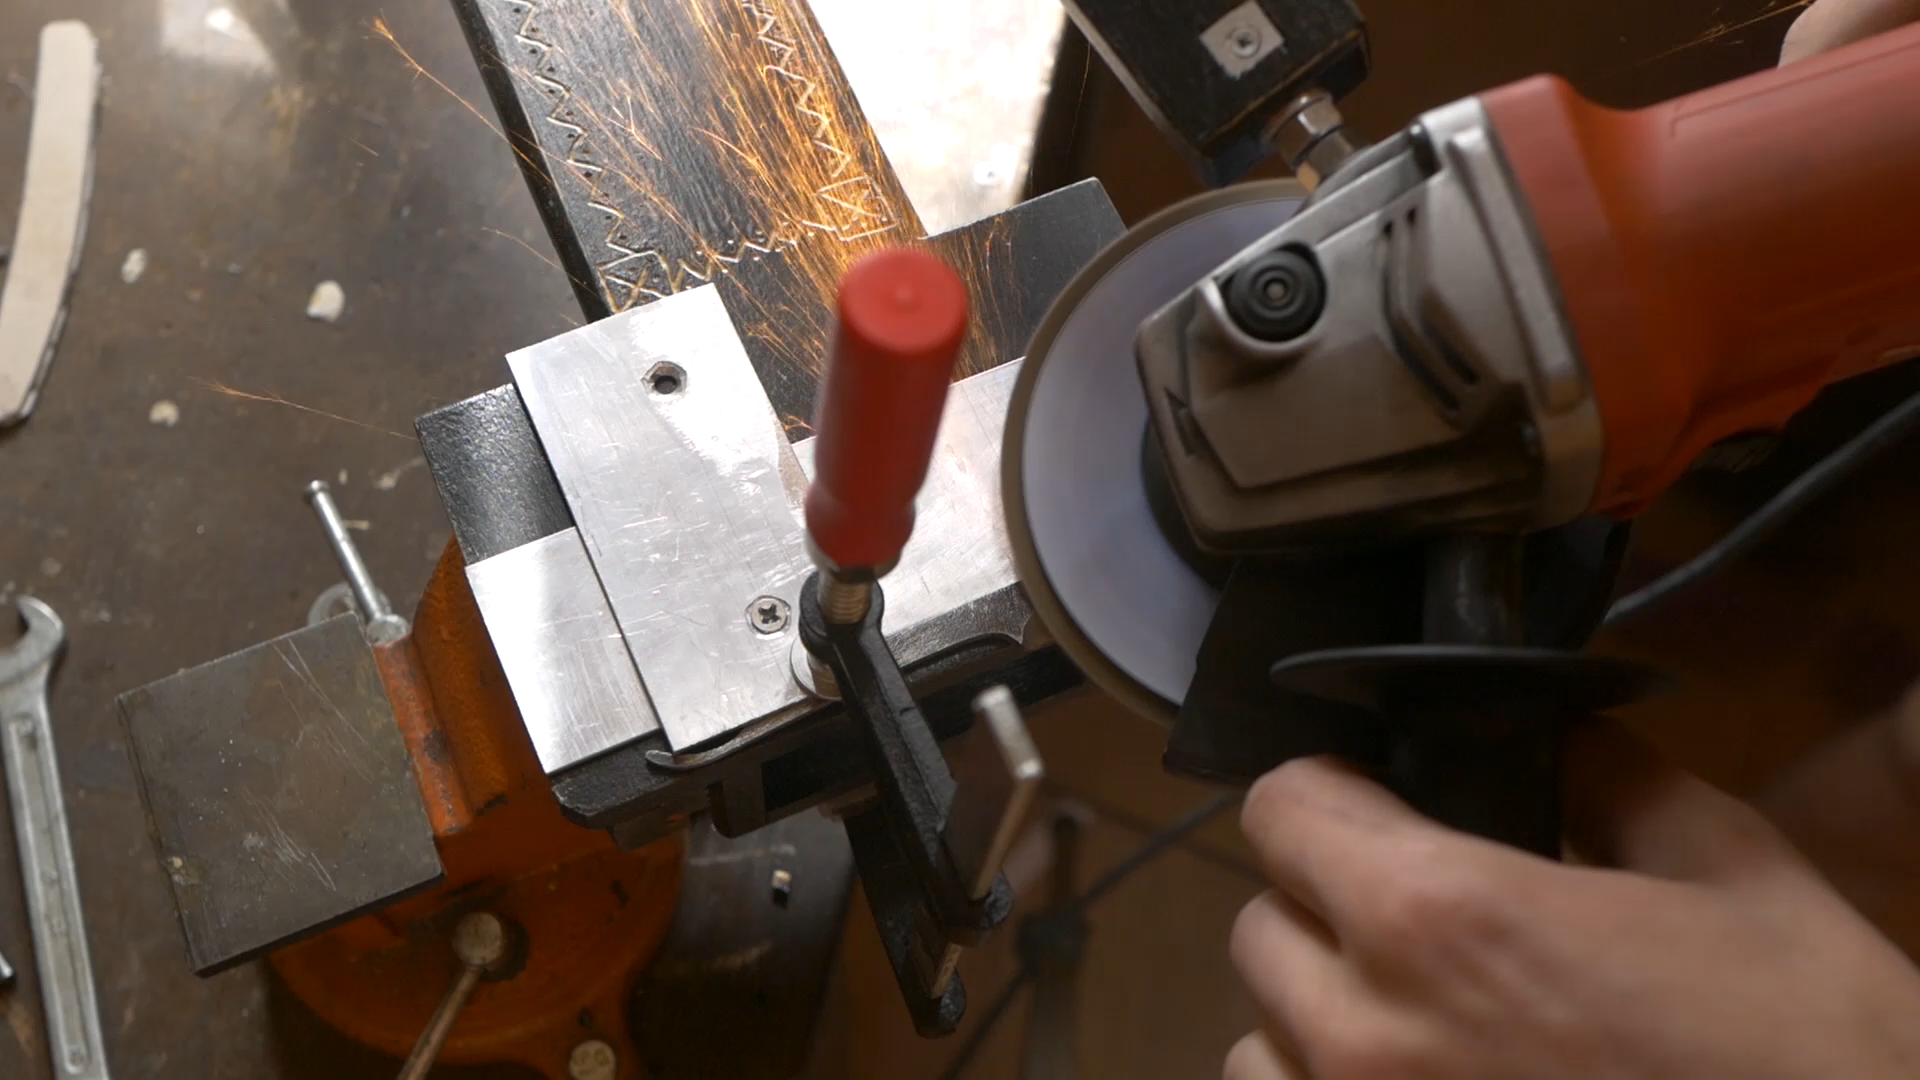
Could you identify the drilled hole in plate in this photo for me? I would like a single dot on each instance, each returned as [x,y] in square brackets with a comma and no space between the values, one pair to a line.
[666,379]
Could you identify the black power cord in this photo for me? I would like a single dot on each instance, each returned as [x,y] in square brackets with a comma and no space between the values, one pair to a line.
[1889,429]
[1152,848]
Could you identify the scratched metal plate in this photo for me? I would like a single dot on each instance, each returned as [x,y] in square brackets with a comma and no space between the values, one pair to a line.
[570,667]
[578,691]
[685,501]
[278,792]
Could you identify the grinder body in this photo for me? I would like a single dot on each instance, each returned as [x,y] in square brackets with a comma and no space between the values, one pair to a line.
[1535,308]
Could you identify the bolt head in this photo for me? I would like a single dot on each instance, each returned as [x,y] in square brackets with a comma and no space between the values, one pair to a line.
[480,940]
[593,1059]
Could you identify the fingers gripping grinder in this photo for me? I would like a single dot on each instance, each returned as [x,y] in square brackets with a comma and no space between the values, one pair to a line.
[1347,472]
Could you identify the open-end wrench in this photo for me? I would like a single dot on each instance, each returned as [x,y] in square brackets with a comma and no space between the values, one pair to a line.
[46,854]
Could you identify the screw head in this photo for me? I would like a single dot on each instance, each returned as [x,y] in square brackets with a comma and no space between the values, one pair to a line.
[769,615]
[1244,40]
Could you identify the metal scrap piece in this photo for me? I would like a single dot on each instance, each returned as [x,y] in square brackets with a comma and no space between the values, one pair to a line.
[53,213]
[279,792]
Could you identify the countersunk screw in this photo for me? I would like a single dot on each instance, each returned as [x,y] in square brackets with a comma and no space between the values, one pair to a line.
[769,614]
[1245,40]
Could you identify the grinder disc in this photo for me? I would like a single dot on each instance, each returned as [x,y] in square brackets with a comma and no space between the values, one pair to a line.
[1100,573]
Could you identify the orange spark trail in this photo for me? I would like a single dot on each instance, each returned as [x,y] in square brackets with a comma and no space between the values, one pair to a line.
[1721,30]
[380,27]
[273,399]
[531,250]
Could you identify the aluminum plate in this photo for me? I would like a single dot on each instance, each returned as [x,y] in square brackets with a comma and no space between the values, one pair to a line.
[578,691]
[686,511]
[677,473]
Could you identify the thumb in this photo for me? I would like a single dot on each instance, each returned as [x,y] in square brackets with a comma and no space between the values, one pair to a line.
[1628,808]
[1829,24]
[1255,1057]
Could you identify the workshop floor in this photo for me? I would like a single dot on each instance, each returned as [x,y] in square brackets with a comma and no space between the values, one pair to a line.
[154,498]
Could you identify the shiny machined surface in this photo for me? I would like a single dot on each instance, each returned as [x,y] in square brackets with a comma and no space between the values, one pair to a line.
[46,851]
[679,490]
[582,685]
[53,212]
[572,677]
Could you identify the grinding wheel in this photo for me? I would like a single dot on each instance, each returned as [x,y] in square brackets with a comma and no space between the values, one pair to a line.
[1102,576]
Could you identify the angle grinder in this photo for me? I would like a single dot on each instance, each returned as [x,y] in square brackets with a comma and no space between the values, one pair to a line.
[1348,471]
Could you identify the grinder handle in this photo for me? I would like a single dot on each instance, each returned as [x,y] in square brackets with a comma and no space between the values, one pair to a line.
[1722,256]
[902,315]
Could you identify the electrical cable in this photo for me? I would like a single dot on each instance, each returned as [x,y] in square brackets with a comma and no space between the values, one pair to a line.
[1159,842]
[1889,429]
[1108,814]
[1154,846]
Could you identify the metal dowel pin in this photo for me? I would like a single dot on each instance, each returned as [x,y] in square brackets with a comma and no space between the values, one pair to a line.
[382,624]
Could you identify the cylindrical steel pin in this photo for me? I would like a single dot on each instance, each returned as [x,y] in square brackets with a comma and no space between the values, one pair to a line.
[480,943]
[382,625]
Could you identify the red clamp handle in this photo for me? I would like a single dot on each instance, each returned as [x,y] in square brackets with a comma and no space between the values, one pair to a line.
[901,318]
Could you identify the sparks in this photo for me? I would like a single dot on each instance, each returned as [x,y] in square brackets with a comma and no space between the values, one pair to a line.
[273,399]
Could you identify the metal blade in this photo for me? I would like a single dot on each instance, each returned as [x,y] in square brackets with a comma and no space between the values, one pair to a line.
[1104,580]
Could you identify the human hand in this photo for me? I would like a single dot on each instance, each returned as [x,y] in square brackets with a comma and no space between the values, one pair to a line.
[1696,943]
[1829,24]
